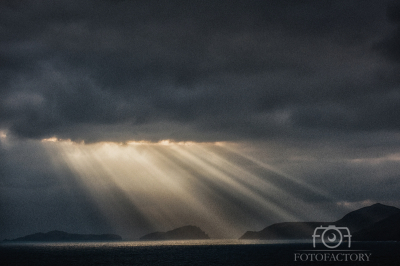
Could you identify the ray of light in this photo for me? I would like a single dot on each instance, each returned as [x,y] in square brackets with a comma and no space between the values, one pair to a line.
[272,188]
[144,186]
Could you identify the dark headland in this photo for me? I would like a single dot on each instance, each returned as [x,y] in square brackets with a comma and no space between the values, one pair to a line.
[377,222]
[188,232]
[60,236]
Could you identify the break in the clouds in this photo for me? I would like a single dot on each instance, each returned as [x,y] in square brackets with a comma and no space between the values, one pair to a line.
[198,70]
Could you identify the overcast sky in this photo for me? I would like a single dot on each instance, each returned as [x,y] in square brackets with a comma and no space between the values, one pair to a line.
[310,87]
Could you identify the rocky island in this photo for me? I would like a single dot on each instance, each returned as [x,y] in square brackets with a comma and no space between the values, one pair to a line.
[60,236]
[188,232]
[377,222]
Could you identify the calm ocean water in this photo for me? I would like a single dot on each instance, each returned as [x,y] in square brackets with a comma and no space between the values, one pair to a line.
[204,252]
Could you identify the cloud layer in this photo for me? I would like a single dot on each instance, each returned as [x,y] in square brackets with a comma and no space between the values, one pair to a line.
[198,70]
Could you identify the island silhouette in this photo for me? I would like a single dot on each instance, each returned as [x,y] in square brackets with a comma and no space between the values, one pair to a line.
[188,232]
[377,222]
[60,236]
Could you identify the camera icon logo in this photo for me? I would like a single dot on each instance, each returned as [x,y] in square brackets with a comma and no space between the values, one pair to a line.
[331,236]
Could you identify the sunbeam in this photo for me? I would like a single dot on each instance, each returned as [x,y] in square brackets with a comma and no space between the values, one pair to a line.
[143,186]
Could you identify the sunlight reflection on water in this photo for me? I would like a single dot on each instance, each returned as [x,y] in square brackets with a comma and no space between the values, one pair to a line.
[193,252]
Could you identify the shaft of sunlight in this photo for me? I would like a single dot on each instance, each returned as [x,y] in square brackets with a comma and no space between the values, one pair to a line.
[143,186]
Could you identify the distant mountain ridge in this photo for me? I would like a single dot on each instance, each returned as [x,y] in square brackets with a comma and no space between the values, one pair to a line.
[60,236]
[366,216]
[189,232]
[377,222]
[373,222]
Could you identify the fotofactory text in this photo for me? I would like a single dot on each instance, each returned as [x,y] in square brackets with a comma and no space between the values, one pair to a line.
[326,240]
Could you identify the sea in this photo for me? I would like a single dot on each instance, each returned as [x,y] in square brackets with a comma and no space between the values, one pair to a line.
[198,252]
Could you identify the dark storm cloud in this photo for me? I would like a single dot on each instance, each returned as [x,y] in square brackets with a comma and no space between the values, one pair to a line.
[391,44]
[212,70]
